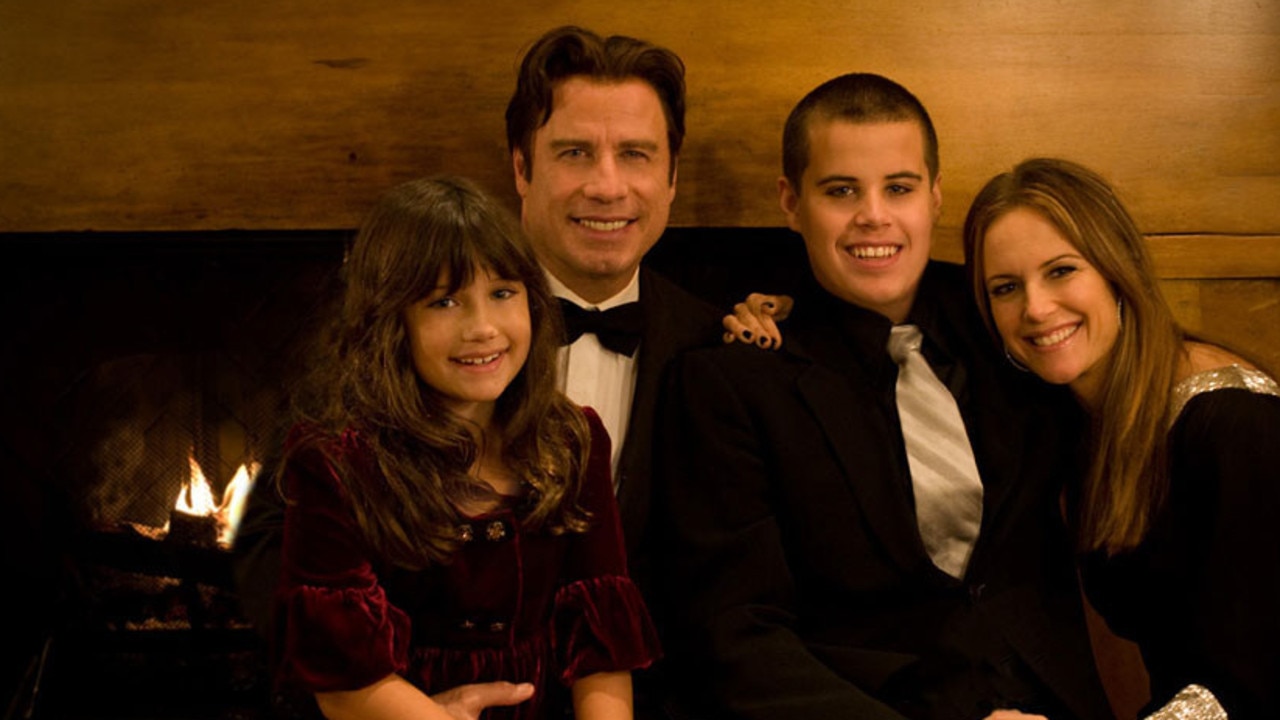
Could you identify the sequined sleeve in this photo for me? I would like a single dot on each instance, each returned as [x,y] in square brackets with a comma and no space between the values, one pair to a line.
[1193,702]
[1228,377]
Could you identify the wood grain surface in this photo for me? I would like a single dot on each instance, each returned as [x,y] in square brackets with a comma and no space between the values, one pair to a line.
[145,115]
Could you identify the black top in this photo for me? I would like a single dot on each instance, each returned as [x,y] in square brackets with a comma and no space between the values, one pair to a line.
[1201,594]
[797,580]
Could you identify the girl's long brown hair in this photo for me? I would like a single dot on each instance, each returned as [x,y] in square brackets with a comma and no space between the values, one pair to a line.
[418,234]
[1128,479]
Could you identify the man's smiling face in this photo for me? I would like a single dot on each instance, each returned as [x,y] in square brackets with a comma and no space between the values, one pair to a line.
[600,183]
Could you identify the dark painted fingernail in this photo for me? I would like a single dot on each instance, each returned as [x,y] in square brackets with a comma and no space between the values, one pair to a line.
[764,342]
[746,334]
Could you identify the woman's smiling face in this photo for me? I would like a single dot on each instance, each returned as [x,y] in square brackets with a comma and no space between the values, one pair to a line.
[1054,311]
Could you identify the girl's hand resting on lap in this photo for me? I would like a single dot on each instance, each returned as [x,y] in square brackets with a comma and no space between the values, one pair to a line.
[466,702]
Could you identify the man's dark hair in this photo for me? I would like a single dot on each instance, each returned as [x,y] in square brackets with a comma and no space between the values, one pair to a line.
[569,51]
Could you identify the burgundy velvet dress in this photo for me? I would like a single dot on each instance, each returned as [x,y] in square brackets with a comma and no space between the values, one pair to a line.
[512,605]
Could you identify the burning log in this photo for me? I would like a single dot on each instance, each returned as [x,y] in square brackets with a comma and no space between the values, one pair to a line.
[197,520]
[197,530]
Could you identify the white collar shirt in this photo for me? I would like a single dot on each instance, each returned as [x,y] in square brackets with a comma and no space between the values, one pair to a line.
[594,376]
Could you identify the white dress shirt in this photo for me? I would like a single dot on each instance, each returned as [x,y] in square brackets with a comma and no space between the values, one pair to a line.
[596,377]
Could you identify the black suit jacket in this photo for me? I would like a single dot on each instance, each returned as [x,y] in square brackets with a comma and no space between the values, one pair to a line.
[674,321]
[797,582]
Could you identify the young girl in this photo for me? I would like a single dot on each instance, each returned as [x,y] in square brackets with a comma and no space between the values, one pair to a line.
[1176,515]
[451,518]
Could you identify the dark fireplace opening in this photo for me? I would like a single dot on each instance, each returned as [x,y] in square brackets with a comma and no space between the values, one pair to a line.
[143,373]
[133,364]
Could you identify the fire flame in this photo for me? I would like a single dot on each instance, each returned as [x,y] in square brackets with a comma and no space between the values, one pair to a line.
[196,498]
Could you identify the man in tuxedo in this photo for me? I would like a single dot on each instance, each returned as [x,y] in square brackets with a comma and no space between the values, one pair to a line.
[594,126]
[839,546]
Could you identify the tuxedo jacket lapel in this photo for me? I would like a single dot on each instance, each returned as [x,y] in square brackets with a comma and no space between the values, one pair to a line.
[634,463]
[859,444]
[1001,472]
[1000,462]
[674,321]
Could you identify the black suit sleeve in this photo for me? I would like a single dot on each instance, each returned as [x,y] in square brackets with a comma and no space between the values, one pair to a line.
[728,582]
[1229,451]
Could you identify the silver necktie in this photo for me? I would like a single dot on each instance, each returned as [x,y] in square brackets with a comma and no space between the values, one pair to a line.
[944,475]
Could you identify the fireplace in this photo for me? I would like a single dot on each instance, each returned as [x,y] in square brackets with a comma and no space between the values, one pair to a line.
[143,376]
[132,365]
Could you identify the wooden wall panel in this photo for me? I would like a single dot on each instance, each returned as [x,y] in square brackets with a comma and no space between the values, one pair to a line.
[1243,314]
[1216,256]
[136,115]
[144,115]
[1177,256]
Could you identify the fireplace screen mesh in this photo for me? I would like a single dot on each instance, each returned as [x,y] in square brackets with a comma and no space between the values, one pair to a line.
[146,378]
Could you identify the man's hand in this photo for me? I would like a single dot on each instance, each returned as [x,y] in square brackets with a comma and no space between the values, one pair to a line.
[466,702]
[754,321]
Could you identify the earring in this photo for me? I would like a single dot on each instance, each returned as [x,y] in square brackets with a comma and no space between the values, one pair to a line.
[1014,361]
[1119,312]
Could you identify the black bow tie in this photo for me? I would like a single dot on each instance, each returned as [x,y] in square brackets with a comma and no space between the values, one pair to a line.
[617,328]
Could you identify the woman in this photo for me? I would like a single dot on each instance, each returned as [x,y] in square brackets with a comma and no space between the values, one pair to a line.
[1175,515]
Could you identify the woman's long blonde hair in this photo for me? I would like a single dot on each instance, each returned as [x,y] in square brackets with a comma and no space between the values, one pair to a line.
[1128,479]
[419,233]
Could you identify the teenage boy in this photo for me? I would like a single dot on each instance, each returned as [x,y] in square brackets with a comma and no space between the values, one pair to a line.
[865,524]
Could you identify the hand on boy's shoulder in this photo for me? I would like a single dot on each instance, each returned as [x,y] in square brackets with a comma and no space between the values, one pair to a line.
[755,320]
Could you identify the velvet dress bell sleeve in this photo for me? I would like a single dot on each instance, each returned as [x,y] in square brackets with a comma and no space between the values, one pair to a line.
[337,629]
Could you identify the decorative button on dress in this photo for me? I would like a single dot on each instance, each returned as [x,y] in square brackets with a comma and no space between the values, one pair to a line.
[513,604]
